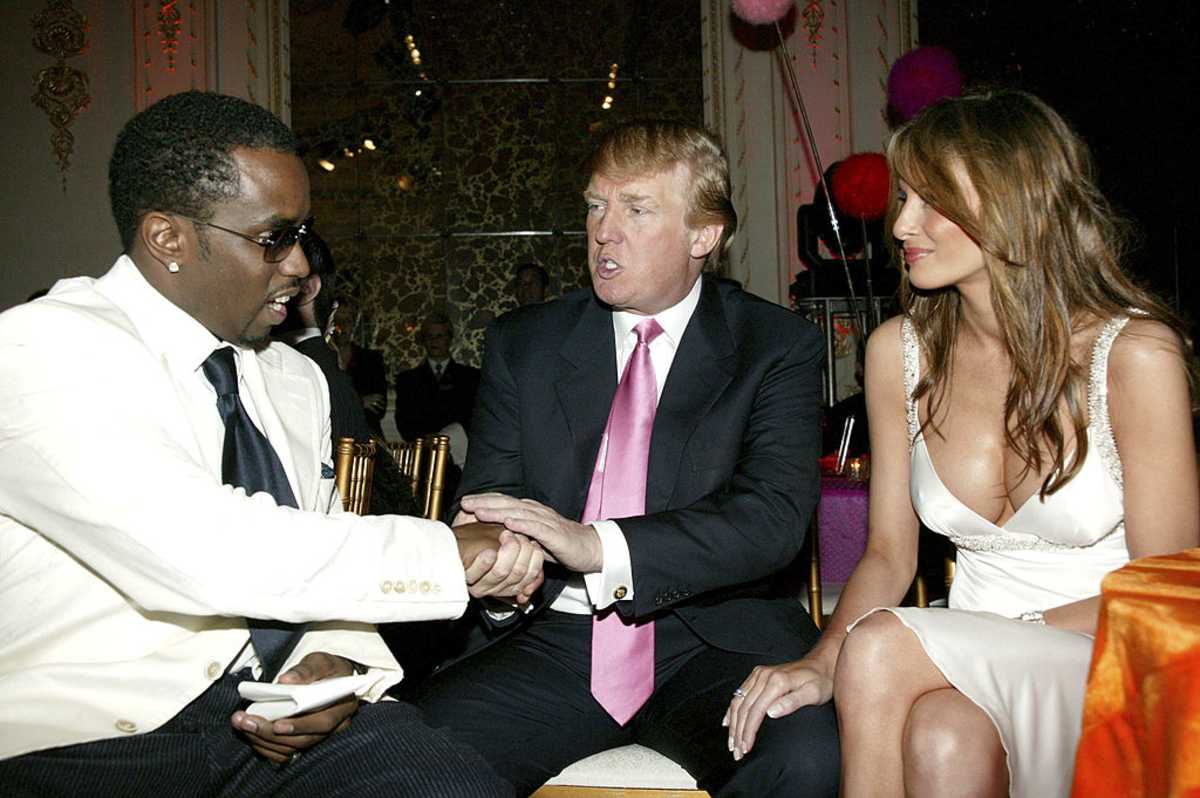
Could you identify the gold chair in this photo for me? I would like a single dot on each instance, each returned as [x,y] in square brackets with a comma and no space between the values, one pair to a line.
[816,607]
[416,459]
[399,452]
[354,472]
[438,447]
[424,462]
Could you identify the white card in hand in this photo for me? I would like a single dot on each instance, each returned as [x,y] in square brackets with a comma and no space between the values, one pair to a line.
[275,701]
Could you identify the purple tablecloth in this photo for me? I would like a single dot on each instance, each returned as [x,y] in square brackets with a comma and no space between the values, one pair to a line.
[841,526]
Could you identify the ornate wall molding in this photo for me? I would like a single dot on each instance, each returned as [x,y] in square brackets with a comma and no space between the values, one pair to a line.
[170,24]
[167,34]
[61,91]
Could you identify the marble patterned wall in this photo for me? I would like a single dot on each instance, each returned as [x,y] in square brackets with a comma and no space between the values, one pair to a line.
[482,171]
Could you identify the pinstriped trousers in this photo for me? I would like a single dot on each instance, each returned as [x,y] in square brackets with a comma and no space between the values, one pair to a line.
[387,750]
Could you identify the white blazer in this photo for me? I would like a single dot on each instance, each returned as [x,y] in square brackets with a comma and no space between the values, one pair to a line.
[126,567]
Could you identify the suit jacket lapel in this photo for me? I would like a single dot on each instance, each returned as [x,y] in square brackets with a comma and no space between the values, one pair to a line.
[585,384]
[703,367]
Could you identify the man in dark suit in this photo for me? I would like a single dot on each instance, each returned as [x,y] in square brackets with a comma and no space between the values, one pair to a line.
[727,470]
[439,391]
[530,284]
[364,366]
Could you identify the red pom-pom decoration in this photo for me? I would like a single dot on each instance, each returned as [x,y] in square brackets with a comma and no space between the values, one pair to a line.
[761,12]
[921,77]
[860,186]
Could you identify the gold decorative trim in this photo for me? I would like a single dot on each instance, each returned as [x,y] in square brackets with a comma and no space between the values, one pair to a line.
[252,53]
[170,24]
[713,16]
[61,91]
[813,15]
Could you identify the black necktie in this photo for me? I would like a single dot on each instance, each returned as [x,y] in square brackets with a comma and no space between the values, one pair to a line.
[248,461]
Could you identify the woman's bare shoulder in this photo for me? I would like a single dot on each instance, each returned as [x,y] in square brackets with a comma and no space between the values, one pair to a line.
[885,354]
[1144,348]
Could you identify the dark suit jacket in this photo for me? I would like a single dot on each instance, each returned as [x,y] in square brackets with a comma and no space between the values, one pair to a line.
[733,474]
[345,405]
[425,405]
[367,373]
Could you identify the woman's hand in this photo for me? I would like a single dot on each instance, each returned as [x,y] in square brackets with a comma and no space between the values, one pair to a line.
[774,691]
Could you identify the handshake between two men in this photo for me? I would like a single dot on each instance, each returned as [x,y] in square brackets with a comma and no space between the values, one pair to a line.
[504,542]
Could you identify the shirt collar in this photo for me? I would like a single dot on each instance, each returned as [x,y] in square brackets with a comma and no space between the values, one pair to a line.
[165,328]
[674,320]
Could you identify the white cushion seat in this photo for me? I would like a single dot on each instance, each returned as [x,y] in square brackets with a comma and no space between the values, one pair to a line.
[627,766]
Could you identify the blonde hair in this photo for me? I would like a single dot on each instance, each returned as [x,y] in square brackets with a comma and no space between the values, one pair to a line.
[1052,247]
[653,146]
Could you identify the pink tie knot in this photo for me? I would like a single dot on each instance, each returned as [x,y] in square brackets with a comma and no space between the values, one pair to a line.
[647,331]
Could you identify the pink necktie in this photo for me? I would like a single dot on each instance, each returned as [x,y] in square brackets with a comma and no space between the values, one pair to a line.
[623,651]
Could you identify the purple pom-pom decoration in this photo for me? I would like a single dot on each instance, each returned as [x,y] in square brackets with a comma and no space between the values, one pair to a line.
[761,12]
[921,77]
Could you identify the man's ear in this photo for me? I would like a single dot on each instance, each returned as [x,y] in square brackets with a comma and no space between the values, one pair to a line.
[310,286]
[163,238]
[705,239]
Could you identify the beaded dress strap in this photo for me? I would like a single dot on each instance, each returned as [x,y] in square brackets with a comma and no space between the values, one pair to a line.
[1098,419]
[912,372]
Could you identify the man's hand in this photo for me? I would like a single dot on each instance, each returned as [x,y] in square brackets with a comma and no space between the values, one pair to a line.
[375,402]
[773,691]
[499,563]
[280,740]
[570,543]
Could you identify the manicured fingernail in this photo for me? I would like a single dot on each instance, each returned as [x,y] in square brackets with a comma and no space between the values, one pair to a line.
[729,744]
[248,725]
[737,755]
[284,728]
[772,712]
[725,720]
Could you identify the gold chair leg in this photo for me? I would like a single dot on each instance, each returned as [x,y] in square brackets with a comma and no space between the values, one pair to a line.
[815,604]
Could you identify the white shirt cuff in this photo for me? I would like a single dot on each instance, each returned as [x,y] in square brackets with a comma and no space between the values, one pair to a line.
[614,581]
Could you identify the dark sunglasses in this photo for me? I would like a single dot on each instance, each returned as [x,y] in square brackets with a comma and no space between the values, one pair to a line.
[276,244]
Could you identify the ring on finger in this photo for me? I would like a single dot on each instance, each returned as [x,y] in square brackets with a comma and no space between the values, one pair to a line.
[739,693]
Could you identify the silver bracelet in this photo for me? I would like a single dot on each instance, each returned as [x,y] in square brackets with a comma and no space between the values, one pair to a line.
[1033,616]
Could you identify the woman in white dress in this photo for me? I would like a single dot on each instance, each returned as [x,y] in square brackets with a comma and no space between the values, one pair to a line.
[1033,405]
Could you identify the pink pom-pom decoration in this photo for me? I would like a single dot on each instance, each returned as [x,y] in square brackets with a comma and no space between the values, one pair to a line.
[761,12]
[921,77]
[860,186]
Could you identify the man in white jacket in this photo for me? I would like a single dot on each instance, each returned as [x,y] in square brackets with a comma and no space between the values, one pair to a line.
[131,574]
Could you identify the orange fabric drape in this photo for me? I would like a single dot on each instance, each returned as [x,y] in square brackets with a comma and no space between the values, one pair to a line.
[1141,716]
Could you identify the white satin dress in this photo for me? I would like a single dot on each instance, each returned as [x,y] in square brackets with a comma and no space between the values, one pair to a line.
[1028,678]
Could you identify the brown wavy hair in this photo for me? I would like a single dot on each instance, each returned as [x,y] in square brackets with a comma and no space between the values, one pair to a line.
[1053,248]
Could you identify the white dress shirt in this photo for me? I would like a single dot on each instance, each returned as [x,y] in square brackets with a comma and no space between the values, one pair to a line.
[595,591]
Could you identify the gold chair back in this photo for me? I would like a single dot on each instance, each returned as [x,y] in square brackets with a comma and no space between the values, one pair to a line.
[416,463]
[435,479]
[354,472]
[424,462]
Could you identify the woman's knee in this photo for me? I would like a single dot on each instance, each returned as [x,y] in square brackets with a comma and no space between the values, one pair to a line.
[866,665]
[944,731]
